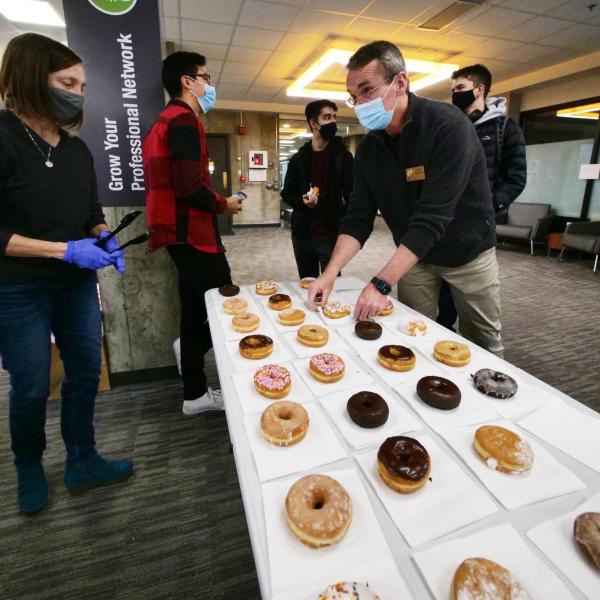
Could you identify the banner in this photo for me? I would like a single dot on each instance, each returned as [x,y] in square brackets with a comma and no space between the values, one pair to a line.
[119,41]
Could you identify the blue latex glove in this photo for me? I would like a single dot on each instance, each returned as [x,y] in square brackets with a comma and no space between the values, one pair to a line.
[112,248]
[85,254]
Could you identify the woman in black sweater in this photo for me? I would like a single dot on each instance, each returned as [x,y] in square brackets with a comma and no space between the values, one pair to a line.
[50,223]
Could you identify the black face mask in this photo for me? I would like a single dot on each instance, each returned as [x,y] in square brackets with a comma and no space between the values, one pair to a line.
[328,131]
[463,99]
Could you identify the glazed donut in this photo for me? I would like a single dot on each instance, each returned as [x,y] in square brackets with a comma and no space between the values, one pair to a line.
[245,323]
[348,590]
[396,358]
[229,290]
[452,353]
[387,309]
[235,306]
[280,301]
[336,309]
[266,288]
[256,346]
[480,578]
[368,409]
[495,384]
[273,381]
[502,449]
[403,464]
[586,531]
[327,367]
[291,316]
[313,335]
[319,510]
[368,330]
[412,327]
[304,283]
[438,392]
[284,423]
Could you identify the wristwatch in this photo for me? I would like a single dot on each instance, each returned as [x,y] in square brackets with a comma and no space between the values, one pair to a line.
[383,287]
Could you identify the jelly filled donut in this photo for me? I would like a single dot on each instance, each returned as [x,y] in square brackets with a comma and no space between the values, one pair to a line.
[368,409]
[403,464]
[502,449]
[438,392]
[256,346]
[319,510]
[284,423]
[495,384]
[396,358]
[273,381]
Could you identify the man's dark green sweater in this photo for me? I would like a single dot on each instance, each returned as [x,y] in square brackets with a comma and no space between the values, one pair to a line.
[430,184]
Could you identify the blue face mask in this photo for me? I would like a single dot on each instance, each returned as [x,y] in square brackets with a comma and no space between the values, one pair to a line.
[210,95]
[372,115]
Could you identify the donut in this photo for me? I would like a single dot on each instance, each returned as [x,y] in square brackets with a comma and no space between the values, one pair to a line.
[452,353]
[266,288]
[495,384]
[273,381]
[235,306]
[438,392]
[483,579]
[327,367]
[304,283]
[284,423]
[313,335]
[318,510]
[368,409]
[387,309]
[279,301]
[314,190]
[586,531]
[229,290]
[245,322]
[291,316]
[396,358]
[403,464]
[348,590]
[368,330]
[412,327]
[336,309]
[256,346]
[502,449]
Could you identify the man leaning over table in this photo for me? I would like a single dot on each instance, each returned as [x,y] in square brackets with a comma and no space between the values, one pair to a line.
[422,166]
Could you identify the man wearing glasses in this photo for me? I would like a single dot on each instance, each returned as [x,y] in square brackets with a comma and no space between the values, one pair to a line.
[422,166]
[182,209]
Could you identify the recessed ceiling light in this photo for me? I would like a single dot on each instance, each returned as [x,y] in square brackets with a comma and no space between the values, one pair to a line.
[449,14]
[286,124]
[31,11]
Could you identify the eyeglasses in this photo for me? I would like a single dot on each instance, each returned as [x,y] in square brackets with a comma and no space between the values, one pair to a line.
[205,76]
[352,101]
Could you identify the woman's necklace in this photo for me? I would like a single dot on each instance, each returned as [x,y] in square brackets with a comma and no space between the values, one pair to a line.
[48,162]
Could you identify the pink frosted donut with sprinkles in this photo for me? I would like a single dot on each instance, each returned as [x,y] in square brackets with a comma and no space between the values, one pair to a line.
[327,367]
[273,381]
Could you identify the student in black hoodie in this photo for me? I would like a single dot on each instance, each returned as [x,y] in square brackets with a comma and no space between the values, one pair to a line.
[422,166]
[322,162]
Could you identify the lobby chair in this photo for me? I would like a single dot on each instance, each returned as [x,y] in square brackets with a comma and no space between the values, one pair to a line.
[584,237]
[526,221]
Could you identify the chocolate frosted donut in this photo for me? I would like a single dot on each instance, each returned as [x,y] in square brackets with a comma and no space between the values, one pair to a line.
[404,457]
[495,384]
[368,409]
[438,392]
[229,290]
[252,342]
[368,330]
[276,298]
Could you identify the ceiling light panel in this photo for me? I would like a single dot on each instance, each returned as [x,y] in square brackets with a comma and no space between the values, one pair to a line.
[31,11]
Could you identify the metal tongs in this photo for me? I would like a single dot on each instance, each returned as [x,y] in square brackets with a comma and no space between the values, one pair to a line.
[127,220]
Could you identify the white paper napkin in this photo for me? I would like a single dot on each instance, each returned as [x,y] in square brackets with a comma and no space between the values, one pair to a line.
[215,297]
[546,479]
[279,355]
[294,566]
[341,284]
[573,432]
[310,317]
[503,545]
[252,402]
[366,347]
[264,326]
[320,446]
[555,539]
[400,420]
[334,344]
[353,376]
[449,501]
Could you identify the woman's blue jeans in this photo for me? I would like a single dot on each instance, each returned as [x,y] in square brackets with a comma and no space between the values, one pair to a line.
[28,314]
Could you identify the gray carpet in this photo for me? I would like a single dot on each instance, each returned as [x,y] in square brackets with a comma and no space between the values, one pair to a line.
[177,530]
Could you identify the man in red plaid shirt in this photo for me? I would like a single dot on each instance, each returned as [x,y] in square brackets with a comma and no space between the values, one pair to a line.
[182,209]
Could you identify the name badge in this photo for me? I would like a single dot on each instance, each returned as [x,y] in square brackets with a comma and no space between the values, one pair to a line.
[415,173]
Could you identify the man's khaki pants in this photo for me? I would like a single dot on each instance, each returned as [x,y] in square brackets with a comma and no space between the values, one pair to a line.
[476,291]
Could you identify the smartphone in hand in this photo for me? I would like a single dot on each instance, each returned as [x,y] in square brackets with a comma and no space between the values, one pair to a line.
[241,195]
